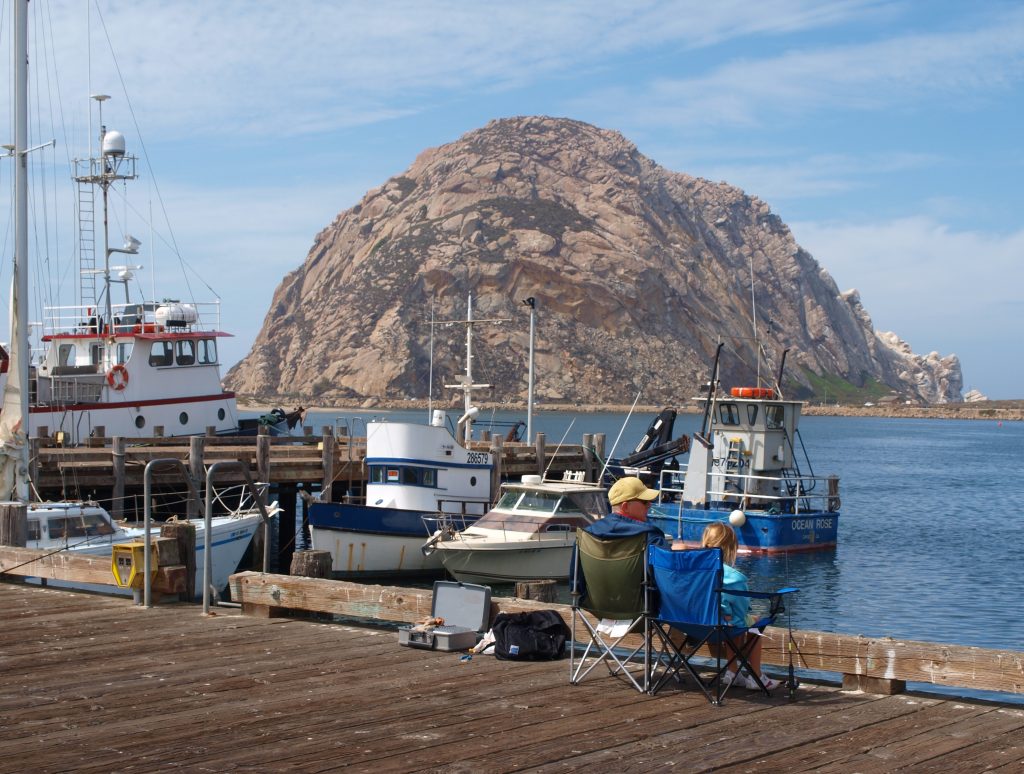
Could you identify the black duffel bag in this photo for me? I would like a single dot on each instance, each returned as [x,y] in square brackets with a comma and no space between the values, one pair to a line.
[539,635]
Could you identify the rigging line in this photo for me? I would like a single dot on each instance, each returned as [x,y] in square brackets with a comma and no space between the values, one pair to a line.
[622,429]
[145,154]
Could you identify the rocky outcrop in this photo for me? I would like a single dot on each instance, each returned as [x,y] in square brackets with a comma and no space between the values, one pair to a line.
[638,273]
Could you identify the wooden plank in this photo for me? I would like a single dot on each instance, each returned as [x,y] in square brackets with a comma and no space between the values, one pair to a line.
[884,659]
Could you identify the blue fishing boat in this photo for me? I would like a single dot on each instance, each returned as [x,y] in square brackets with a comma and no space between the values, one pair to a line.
[748,466]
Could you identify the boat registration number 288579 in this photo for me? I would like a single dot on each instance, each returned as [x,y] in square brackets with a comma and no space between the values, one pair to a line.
[819,523]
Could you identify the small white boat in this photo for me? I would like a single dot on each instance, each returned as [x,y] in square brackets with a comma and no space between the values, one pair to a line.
[528,535]
[87,528]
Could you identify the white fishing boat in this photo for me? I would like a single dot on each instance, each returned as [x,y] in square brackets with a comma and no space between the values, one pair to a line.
[528,535]
[87,528]
[129,366]
[126,367]
[418,476]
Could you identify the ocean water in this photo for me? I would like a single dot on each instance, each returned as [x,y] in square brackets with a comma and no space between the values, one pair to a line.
[931,531]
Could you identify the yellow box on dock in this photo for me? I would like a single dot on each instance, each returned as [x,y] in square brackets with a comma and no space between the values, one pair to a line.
[127,563]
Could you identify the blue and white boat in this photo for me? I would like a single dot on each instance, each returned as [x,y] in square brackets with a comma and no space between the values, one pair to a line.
[417,475]
[748,466]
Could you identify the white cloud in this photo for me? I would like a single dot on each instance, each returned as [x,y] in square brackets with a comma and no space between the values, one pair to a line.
[938,288]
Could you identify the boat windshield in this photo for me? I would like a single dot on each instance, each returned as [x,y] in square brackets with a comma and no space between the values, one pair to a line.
[84,525]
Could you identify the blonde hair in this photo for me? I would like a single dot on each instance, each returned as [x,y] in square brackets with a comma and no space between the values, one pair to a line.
[718,534]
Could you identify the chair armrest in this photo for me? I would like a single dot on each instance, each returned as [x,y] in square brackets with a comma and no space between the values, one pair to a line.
[758,594]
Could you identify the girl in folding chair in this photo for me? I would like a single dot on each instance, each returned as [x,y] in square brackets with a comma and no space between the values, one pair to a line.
[735,609]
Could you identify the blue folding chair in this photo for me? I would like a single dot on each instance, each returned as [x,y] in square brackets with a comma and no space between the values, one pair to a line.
[687,615]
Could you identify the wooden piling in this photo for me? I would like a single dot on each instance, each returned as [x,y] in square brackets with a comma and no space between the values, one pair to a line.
[539,447]
[117,495]
[327,483]
[184,534]
[497,448]
[311,564]
[13,524]
[538,591]
[196,470]
[588,457]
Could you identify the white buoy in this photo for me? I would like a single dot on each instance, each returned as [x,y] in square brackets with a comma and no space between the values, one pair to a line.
[737,518]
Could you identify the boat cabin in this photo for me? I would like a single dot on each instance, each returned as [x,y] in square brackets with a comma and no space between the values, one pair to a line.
[534,506]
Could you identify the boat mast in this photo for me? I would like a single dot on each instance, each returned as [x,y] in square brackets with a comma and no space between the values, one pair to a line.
[14,425]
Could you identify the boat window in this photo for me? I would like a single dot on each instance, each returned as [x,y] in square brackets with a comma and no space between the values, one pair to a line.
[728,413]
[66,354]
[207,351]
[124,351]
[538,501]
[508,501]
[95,353]
[559,528]
[409,476]
[87,525]
[429,478]
[752,413]
[186,352]
[591,503]
[376,474]
[162,354]
[774,414]
[33,530]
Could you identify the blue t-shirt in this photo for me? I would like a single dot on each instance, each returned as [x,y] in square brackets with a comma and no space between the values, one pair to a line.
[734,608]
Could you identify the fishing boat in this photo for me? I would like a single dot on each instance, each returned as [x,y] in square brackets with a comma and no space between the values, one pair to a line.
[87,528]
[528,535]
[417,475]
[748,466]
[128,367]
[123,367]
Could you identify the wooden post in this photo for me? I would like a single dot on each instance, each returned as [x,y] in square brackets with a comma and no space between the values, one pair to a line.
[540,591]
[599,454]
[97,437]
[311,564]
[158,431]
[286,495]
[211,431]
[327,483]
[184,534]
[263,456]
[539,446]
[497,451]
[13,524]
[117,495]
[588,457]
[196,446]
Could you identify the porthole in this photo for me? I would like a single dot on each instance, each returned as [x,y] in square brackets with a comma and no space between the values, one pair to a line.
[183,418]
[140,421]
[221,414]
[472,480]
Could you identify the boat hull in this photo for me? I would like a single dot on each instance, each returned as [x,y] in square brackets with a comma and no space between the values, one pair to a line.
[370,541]
[507,563]
[766,533]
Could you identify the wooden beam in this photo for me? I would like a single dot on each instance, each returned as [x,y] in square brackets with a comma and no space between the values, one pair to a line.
[882,661]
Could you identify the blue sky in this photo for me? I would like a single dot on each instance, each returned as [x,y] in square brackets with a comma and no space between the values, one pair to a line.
[886,134]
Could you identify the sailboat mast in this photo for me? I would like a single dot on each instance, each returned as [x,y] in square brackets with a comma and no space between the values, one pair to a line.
[19,363]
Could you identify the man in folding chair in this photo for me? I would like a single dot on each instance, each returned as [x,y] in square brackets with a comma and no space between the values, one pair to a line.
[688,615]
[608,580]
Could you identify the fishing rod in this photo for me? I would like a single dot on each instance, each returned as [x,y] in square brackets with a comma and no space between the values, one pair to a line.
[559,446]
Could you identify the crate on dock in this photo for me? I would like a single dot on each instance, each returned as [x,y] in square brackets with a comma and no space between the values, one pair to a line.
[465,609]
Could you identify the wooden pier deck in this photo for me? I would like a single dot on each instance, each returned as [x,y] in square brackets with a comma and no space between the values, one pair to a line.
[91,683]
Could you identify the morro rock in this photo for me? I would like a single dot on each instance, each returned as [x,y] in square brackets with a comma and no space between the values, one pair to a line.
[638,273]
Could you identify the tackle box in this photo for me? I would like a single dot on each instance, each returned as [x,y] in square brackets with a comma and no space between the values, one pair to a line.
[465,608]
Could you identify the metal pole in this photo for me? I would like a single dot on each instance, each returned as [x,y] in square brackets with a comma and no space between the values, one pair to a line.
[147,489]
[532,303]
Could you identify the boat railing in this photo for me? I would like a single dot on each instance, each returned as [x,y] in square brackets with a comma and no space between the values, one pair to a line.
[796,494]
[130,318]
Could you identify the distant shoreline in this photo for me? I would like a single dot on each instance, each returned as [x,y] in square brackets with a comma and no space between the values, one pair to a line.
[1003,410]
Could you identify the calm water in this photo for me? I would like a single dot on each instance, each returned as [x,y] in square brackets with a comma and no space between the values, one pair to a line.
[931,532]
